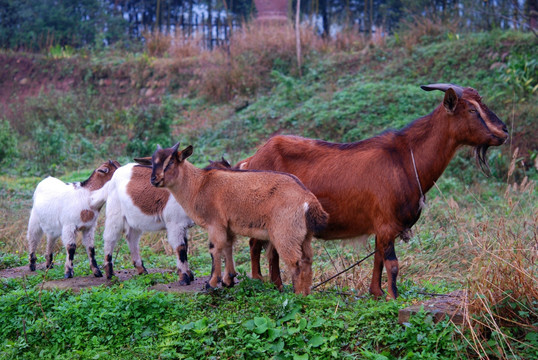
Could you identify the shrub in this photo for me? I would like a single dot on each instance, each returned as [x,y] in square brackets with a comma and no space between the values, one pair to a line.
[157,43]
[150,126]
[51,146]
[521,75]
[8,141]
[423,30]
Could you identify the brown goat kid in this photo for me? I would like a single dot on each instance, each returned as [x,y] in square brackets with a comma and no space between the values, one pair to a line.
[262,204]
[377,186]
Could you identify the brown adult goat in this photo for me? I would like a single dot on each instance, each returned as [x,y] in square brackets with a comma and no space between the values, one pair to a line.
[377,186]
[263,204]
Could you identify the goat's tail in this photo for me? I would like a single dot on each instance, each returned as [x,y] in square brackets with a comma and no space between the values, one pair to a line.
[316,218]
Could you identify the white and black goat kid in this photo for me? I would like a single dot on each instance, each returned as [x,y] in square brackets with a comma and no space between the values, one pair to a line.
[135,206]
[61,209]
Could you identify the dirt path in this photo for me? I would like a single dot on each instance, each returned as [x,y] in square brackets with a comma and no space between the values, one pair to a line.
[82,282]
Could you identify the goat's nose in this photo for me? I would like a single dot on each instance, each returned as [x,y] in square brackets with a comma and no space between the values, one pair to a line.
[153,179]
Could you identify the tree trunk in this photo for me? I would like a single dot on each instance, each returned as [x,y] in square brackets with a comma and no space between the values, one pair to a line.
[324,17]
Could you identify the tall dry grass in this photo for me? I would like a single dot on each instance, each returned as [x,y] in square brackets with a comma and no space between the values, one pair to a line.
[243,67]
[503,277]
[419,29]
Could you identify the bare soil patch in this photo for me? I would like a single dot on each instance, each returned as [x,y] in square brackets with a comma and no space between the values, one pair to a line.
[83,282]
[20,271]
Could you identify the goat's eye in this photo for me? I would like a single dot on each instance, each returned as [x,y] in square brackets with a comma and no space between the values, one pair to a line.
[472,111]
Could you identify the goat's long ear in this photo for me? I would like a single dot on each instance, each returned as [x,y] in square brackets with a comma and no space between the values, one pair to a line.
[225,162]
[143,160]
[186,153]
[450,101]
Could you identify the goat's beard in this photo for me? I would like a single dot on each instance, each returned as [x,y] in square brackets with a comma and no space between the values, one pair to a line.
[481,159]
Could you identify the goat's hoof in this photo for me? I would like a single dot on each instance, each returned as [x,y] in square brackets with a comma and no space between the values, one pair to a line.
[185,279]
[209,288]
[69,274]
[142,270]
[191,275]
[97,273]
[378,294]
[50,266]
[32,267]
[230,283]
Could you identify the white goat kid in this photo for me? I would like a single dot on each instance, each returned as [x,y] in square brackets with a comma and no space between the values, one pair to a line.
[135,206]
[61,209]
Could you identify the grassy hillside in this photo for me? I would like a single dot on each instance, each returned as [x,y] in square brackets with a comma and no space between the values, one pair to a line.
[62,113]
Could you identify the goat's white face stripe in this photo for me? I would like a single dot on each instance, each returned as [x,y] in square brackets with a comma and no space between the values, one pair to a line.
[482,113]
[494,129]
[166,161]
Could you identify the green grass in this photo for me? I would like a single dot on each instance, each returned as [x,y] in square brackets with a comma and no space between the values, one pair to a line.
[249,321]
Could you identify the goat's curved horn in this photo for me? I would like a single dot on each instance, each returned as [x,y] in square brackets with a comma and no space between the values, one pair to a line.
[159,147]
[443,87]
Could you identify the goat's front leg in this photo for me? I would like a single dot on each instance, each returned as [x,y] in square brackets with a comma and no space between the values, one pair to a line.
[255,252]
[133,239]
[229,266]
[375,284]
[391,265]
[274,267]
[217,242]
[69,241]
[385,256]
[88,241]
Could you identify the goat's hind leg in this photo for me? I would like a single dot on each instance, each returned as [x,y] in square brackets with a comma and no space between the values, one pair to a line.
[88,241]
[51,241]
[113,231]
[178,239]
[34,235]
[69,241]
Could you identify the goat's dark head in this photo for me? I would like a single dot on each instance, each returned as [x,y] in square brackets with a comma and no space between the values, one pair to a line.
[472,122]
[166,164]
[101,175]
[221,164]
